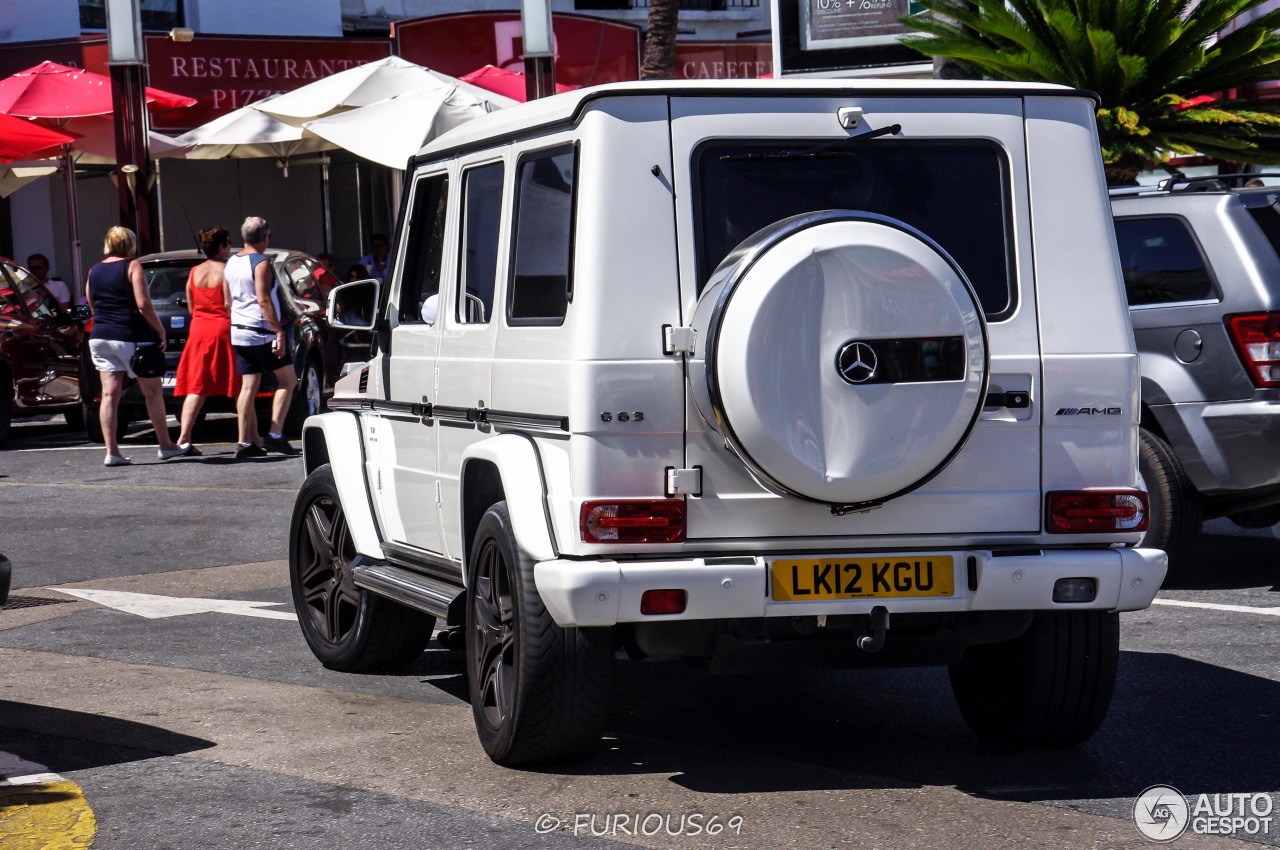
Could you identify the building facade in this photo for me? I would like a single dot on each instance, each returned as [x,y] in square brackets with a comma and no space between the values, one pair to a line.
[244,50]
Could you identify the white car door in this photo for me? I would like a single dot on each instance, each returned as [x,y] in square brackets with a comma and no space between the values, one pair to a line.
[469,328]
[404,474]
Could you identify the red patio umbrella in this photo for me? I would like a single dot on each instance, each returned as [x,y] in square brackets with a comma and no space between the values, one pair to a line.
[55,94]
[501,81]
[21,139]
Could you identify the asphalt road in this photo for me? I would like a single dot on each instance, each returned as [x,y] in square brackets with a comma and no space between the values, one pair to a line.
[217,728]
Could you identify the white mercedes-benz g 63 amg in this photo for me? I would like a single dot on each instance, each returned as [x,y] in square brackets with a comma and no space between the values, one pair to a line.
[690,368]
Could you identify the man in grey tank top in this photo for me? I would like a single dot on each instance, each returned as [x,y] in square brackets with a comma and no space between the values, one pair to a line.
[258,338]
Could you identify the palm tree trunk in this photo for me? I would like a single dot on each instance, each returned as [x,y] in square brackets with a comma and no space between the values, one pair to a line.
[947,69]
[660,43]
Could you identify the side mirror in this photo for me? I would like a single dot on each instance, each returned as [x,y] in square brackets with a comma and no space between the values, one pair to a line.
[354,306]
[81,312]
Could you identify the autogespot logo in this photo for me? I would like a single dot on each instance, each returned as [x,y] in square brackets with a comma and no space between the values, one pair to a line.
[1161,813]
[857,362]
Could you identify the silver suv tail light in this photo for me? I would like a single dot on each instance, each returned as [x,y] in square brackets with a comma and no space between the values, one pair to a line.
[1257,340]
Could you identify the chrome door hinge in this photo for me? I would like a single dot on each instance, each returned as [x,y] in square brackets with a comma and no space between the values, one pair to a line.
[439,498]
[678,340]
[684,482]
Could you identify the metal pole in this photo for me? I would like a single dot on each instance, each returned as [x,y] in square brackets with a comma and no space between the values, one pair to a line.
[73,217]
[133,157]
[325,202]
[159,195]
[539,76]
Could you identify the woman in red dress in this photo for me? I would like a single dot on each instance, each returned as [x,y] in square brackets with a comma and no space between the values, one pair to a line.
[208,365]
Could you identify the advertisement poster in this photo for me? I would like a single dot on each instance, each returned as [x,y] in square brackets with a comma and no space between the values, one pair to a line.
[833,24]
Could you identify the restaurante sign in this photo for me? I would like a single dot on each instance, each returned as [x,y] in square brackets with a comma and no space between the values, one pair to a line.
[226,73]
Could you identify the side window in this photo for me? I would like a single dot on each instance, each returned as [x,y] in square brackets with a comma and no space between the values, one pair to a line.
[424,253]
[9,304]
[481,217]
[301,279]
[1161,261]
[39,301]
[541,278]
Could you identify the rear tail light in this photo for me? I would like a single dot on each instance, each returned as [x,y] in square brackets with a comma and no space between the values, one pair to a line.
[1095,511]
[1257,340]
[650,521]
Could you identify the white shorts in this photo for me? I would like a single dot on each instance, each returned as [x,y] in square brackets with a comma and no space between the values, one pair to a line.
[112,355]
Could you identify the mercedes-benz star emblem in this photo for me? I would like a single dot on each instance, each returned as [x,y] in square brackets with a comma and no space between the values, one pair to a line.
[857,362]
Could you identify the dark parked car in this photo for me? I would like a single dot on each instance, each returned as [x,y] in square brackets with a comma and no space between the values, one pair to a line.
[40,346]
[318,350]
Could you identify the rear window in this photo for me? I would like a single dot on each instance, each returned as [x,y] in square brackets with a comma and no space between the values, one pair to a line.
[955,192]
[1161,261]
[1268,219]
[168,283]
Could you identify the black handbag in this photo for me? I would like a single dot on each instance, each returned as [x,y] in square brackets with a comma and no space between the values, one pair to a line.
[147,361]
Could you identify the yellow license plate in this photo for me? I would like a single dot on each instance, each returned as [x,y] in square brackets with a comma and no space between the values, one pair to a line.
[889,577]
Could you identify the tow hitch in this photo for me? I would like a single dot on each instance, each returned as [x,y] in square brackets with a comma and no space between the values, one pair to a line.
[877,626]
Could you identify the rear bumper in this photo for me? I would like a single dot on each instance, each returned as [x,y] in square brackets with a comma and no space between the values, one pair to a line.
[1226,446]
[603,593]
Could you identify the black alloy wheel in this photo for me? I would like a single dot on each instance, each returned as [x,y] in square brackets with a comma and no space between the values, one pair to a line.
[539,691]
[332,600]
[494,626]
[346,627]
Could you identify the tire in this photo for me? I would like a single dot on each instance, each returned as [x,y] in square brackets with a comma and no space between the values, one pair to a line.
[74,417]
[6,576]
[307,401]
[539,692]
[6,407]
[348,628]
[1176,511]
[93,425]
[1048,688]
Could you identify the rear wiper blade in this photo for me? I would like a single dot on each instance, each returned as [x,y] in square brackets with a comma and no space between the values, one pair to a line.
[826,149]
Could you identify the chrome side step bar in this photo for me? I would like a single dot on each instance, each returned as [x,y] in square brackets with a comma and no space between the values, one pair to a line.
[406,587]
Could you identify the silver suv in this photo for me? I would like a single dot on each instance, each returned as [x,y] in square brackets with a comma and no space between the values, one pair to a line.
[1202,274]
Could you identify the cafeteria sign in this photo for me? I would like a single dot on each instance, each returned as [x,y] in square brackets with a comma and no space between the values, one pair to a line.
[835,24]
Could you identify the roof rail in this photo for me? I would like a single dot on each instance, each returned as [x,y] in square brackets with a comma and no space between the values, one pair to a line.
[1214,182]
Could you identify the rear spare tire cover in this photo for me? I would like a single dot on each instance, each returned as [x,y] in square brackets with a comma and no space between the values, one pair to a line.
[841,355]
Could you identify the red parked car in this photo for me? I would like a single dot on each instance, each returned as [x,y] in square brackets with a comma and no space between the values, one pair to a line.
[39,351]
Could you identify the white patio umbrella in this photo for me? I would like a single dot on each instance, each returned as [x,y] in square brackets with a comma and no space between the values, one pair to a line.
[367,84]
[248,133]
[15,175]
[392,130]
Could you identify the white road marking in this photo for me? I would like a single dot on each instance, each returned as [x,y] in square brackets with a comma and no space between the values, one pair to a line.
[1214,606]
[155,607]
[18,771]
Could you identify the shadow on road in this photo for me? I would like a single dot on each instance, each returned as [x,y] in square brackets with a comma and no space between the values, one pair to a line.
[73,740]
[1196,726]
[1230,562]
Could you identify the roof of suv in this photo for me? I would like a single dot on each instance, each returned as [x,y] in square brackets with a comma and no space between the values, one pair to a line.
[1219,184]
[187,255]
[563,107]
